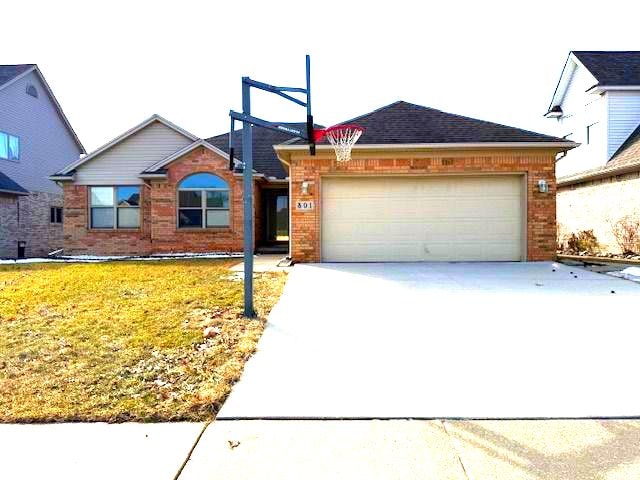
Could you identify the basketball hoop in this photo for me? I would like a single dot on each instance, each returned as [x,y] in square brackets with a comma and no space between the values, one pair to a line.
[342,137]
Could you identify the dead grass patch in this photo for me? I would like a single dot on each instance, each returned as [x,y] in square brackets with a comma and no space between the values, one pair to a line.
[124,340]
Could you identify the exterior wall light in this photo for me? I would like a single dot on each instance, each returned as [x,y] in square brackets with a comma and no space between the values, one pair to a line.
[543,186]
[305,188]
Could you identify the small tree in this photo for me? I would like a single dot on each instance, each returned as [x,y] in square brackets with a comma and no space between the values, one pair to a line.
[627,234]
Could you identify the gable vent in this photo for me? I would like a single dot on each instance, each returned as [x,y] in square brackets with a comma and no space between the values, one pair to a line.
[31,90]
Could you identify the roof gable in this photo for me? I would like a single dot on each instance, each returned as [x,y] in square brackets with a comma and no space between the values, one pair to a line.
[11,73]
[121,138]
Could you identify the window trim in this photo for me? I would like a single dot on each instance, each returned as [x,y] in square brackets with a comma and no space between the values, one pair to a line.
[203,208]
[114,208]
[8,157]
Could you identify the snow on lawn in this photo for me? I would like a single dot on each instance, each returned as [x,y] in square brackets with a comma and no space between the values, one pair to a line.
[109,258]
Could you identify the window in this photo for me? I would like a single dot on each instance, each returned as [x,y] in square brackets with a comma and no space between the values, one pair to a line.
[56,214]
[115,207]
[31,90]
[9,147]
[203,202]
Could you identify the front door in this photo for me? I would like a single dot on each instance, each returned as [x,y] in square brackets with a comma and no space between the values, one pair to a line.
[276,204]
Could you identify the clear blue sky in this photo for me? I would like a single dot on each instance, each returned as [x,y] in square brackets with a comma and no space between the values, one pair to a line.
[113,64]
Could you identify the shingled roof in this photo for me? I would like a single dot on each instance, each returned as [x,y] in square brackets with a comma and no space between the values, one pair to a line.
[612,68]
[406,123]
[264,157]
[9,72]
[7,185]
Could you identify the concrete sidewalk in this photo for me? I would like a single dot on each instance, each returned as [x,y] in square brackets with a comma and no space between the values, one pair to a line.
[96,450]
[325,449]
[417,449]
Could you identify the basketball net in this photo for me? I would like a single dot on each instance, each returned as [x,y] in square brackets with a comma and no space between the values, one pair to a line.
[342,138]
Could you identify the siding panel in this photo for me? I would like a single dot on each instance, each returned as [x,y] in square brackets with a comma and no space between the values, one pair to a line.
[122,163]
[624,117]
[45,143]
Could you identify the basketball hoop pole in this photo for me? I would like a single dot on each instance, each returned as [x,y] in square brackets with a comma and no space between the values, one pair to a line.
[248,121]
[247,180]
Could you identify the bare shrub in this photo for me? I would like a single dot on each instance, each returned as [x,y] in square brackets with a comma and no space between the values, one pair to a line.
[627,234]
[583,242]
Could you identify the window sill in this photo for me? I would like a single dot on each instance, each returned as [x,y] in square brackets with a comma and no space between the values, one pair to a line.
[114,230]
[203,230]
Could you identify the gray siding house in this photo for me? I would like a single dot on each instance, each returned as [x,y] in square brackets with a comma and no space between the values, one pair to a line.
[35,139]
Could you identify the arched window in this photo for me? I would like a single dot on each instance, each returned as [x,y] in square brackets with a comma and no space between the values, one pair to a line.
[203,201]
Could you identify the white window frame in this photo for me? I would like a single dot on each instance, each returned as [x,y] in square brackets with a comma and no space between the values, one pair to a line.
[115,207]
[8,136]
[203,208]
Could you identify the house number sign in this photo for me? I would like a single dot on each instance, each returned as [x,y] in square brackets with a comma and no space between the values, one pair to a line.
[304,205]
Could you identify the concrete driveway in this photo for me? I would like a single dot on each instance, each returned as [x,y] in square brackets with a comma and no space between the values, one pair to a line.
[425,340]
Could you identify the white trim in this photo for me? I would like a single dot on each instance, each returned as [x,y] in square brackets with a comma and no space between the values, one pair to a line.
[152,175]
[606,88]
[53,98]
[62,178]
[565,80]
[153,118]
[436,146]
[183,151]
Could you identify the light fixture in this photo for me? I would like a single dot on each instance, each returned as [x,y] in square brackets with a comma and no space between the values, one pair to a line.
[543,186]
[305,188]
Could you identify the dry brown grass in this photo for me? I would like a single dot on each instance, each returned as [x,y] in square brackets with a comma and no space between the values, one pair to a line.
[124,340]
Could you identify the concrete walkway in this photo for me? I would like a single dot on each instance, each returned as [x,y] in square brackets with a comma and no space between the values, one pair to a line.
[417,449]
[79,451]
[445,340]
[330,449]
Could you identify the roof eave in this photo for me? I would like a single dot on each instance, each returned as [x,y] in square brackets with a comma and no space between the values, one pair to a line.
[440,146]
[606,88]
[13,192]
[611,172]
[62,178]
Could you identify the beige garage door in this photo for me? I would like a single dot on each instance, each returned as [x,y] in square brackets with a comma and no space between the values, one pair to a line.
[440,218]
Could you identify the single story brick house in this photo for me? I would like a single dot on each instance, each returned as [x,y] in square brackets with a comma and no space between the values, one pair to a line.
[422,185]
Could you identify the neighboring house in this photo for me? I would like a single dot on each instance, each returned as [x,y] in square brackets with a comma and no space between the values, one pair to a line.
[35,139]
[597,104]
[423,185]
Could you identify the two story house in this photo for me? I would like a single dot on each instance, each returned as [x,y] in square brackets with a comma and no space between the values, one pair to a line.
[35,139]
[597,104]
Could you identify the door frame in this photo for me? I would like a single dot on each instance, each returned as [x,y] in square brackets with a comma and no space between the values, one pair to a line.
[269,195]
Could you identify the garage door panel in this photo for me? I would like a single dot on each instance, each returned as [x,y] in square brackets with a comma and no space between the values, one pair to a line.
[422,218]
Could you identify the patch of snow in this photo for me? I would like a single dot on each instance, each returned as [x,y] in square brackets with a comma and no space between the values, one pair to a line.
[111,258]
[629,273]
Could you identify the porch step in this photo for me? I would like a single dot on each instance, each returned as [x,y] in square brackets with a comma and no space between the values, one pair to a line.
[284,249]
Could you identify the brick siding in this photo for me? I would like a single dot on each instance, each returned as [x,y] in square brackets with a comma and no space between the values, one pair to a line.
[8,226]
[537,165]
[597,204]
[26,218]
[159,232]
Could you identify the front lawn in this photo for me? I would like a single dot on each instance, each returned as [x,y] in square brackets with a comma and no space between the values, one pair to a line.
[124,340]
